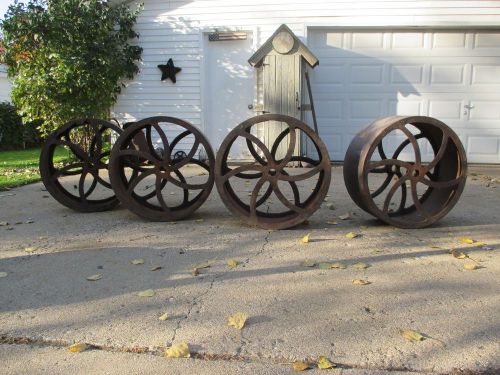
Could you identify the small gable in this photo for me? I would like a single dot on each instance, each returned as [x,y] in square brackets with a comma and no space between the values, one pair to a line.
[284,42]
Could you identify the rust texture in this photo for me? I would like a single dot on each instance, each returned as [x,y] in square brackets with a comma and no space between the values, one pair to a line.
[88,143]
[401,190]
[267,169]
[147,168]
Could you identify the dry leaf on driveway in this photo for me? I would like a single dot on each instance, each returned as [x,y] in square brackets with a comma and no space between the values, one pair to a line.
[300,366]
[470,266]
[324,363]
[137,261]
[411,335]
[163,317]
[360,265]
[231,263]
[345,216]
[360,282]
[78,347]
[351,235]
[237,320]
[306,238]
[95,277]
[3,274]
[146,293]
[178,351]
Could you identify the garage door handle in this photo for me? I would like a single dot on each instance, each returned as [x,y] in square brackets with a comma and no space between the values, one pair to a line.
[468,106]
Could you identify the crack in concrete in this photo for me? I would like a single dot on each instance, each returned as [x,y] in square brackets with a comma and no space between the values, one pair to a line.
[41,342]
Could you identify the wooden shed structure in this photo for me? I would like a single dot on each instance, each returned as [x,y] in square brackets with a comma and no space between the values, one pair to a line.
[280,65]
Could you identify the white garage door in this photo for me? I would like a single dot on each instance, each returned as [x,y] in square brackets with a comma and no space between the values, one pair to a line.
[453,76]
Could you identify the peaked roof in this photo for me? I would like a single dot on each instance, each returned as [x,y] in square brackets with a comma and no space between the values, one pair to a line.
[299,47]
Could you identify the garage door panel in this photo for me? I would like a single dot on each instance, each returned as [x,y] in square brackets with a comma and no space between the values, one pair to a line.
[453,76]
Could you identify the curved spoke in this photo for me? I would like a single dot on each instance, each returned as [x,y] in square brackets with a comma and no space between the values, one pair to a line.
[159,195]
[139,154]
[440,153]
[177,140]
[381,151]
[238,171]
[289,151]
[151,147]
[387,162]
[404,194]
[251,139]
[405,143]
[391,193]
[414,143]
[384,185]
[164,140]
[76,149]
[134,182]
[285,201]
[66,170]
[442,184]
[185,185]
[81,187]
[253,200]
[416,201]
[93,184]
[186,160]
[300,177]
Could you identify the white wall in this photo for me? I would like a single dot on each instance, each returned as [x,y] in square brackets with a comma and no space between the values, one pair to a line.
[173,30]
[5,85]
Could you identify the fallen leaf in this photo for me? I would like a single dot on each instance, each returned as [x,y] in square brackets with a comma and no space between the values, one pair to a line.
[466,240]
[360,265]
[237,320]
[198,221]
[231,263]
[459,254]
[29,249]
[341,266]
[332,222]
[195,272]
[3,274]
[299,366]
[78,347]
[205,264]
[156,268]
[462,255]
[306,238]
[163,317]
[146,293]
[360,282]
[178,351]
[411,335]
[95,277]
[470,266]
[324,266]
[352,235]
[308,263]
[137,261]
[346,216]
[3,223]
[29,222]
[324,363]
[331,206]
[435,247]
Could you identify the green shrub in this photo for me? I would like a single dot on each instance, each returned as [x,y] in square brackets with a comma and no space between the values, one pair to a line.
[13,133]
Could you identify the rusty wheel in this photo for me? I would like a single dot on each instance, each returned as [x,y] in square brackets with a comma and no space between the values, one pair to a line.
[266,192]
[158,178]
[407,171]
[81,182]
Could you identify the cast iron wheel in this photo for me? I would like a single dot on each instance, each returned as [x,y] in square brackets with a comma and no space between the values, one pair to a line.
[149,179]
[88,143]
[409,192]
[273,174]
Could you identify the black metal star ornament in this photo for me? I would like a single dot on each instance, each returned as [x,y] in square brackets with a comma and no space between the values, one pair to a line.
[169,71]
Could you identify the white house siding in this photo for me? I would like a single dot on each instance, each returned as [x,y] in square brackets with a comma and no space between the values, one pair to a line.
[5,85]
[173,29]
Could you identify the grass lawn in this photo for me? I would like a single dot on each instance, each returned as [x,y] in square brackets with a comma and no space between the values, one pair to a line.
[20,167]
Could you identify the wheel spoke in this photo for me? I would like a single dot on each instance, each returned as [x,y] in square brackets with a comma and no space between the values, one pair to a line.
[416,201]
[285,201]
[238,172]
[283,176]
[414,143]
[442,184]
[387,162]
[251,140]
[392,191]
[384,185]
[440,153]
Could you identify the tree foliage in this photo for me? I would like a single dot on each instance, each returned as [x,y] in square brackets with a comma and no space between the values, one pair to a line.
[68,58]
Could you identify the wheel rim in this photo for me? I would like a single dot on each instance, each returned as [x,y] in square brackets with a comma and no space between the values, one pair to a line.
[91,191]
[161,164]
[412,193]
[268,171]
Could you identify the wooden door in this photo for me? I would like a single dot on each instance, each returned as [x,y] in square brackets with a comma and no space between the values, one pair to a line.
[282,94]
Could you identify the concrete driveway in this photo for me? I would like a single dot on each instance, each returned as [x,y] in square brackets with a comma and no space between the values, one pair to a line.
[295,312]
